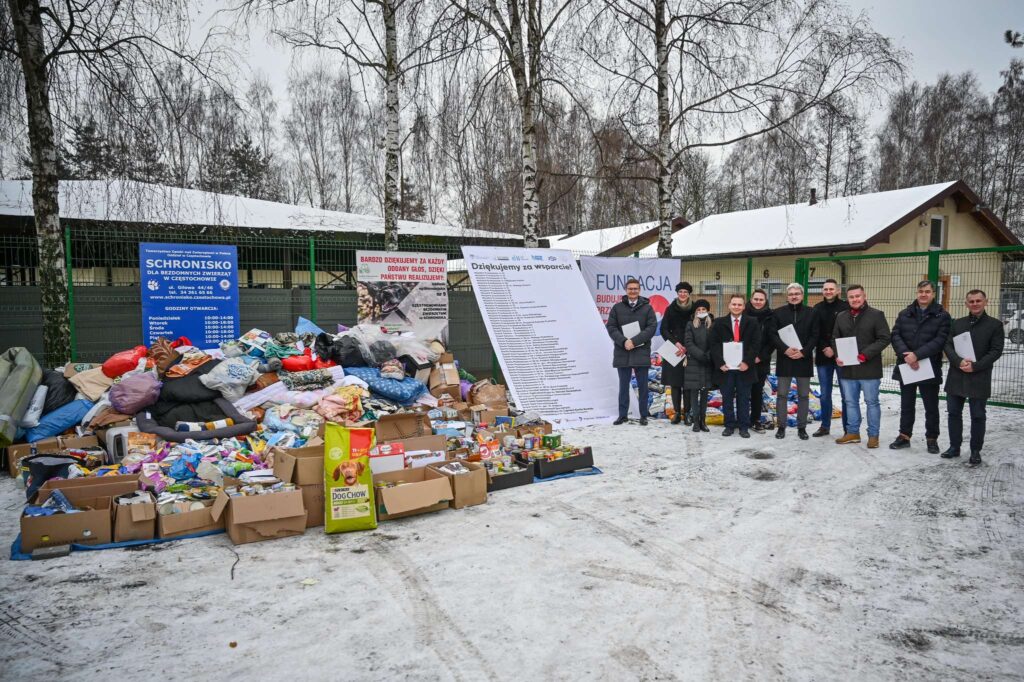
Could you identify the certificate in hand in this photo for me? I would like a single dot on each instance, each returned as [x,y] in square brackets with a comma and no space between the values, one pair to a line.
[630,330]
[789,337]
[923,372]
[964,347]
[846,349]
[732,352]
[668,351]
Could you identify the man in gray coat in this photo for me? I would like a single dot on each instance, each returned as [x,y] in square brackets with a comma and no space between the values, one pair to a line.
[969,380]
[632,354]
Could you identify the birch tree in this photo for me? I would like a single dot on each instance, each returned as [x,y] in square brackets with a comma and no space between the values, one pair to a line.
[703,74]
[387,38]
[522,30]
[54,43]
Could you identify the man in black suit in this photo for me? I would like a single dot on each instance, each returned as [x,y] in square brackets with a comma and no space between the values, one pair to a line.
[735,382]
[969,380]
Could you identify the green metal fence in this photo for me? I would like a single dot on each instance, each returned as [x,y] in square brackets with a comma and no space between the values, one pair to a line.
[287,275]
[280,278]
[891,280]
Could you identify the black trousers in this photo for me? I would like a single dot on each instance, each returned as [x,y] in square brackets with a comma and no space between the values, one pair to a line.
[955,410]
[681,401]
[698,397]
[908,406]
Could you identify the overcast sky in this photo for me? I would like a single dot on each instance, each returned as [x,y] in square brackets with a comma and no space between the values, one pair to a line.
[940,36]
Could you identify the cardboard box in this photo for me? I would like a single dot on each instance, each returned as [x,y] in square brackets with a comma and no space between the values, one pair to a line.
[424,490]
[415,449]
[97,486]
[387,457]
[546,469]
[134,521]
[313,501]
[261,517]
[416,367]
[301,466]
[188,523]
[492,396]
[468,490]
[512,480]
[482,414]
[47,446]
[444,378]
[93,526]
[543,428]
[392,427]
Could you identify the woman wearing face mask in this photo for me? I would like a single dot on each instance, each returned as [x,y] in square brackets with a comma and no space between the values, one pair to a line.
[673,326]
[699,367]
[759,309]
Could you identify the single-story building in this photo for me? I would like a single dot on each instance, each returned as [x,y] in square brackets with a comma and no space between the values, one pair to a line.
[885,241]
[109,217]
[282,250]
[623,240]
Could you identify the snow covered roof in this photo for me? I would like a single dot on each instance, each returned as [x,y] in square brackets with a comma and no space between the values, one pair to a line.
[596,242]
[837,223]
[137,202]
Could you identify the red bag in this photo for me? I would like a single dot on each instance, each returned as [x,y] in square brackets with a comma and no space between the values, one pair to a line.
[298,363]
[125,361]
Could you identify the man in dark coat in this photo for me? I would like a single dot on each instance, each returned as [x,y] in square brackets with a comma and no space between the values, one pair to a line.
[673,329]
[632,355]
[759,309]
[735,383]
[871,330]
[794,361]
[971,380]
[824,356]
[920,334]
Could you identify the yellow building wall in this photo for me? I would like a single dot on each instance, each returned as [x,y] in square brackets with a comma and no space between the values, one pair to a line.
[890,283]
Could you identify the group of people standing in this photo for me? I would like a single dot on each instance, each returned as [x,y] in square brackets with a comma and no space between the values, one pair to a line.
[804,341]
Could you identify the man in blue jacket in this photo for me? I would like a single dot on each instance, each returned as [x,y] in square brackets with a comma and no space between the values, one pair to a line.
[632,354]
[919,335]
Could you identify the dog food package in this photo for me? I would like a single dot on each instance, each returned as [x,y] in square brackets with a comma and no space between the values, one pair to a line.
[348,481]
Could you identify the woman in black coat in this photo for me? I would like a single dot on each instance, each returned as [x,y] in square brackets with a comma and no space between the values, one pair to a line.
[759,309]
[673,327]
[699,367]
[919,335]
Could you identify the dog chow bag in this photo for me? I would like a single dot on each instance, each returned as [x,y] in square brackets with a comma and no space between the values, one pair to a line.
[348,482]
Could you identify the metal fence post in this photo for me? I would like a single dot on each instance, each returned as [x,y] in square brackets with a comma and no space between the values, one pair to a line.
[750,276]
[312,280]
[800,272]
[71,294]
[933,265]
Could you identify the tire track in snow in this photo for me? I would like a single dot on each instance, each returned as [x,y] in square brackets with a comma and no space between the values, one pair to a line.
[436,629]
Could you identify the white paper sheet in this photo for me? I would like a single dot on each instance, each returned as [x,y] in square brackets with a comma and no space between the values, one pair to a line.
[923,372]
[964,347]
[668,351]
[846,348]
[733,354]
[630,330]
[789,337]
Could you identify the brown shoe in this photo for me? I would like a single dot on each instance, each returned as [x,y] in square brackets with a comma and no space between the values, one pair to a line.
[872,442]
[848,438]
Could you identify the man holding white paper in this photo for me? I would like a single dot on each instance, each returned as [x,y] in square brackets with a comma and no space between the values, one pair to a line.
[866,331]
[971,379]
[631,324]
[918,336]
[735,339]
[793,330]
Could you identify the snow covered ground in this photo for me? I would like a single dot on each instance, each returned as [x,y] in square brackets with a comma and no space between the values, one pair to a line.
[692,557]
